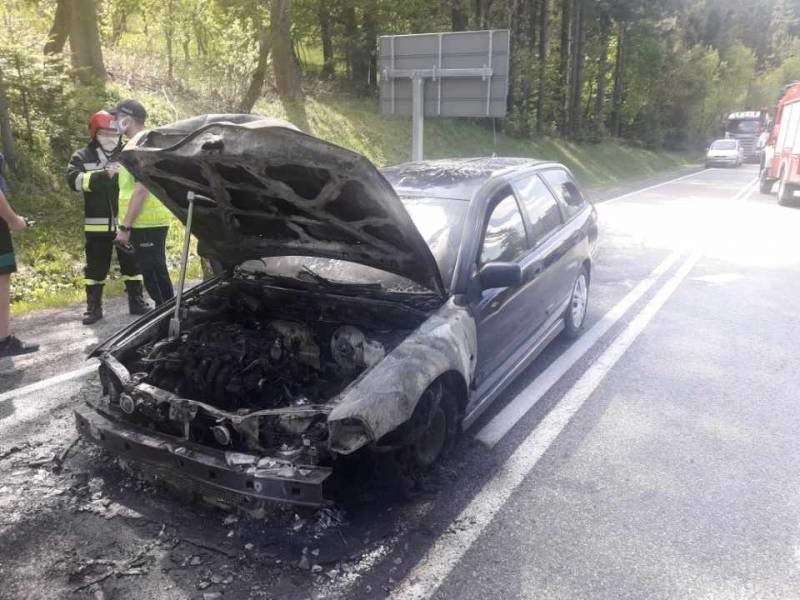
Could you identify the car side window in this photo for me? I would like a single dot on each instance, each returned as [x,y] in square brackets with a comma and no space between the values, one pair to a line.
[565,189]
[504,240]
[541,207]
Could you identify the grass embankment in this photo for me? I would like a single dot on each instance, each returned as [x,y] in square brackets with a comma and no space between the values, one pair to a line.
[51,254]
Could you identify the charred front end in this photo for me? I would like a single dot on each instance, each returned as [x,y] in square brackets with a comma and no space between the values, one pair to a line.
[239,402]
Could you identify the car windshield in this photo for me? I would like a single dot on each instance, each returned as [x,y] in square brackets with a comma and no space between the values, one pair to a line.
[439,221]
[743,126]
[724,145]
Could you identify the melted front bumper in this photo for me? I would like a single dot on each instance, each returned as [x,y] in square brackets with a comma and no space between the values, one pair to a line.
[207,468]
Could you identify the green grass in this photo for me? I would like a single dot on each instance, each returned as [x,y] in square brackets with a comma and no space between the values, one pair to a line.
[51,255]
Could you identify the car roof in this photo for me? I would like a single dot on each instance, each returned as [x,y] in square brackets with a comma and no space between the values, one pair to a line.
[456,178]
[725,140]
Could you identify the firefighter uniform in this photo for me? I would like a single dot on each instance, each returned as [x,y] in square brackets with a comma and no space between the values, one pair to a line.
[87,173]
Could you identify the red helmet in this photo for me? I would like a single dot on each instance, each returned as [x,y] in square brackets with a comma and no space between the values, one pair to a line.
[100,120]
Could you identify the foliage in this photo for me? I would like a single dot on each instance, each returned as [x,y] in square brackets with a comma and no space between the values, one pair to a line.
[658,74]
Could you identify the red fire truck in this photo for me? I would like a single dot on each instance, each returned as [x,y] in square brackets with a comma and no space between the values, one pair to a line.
[780,159]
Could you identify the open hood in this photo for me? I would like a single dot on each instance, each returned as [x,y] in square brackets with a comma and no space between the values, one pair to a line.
[279,192]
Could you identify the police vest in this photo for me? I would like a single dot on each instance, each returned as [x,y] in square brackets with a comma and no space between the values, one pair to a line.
[153,213]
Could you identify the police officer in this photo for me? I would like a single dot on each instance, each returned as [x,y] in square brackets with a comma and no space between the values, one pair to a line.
[93,171]
[144,220]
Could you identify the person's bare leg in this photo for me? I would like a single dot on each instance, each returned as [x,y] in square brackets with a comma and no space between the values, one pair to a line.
[5,304]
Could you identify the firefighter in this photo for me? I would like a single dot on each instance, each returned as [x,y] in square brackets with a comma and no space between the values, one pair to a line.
[144,220]
[93,171]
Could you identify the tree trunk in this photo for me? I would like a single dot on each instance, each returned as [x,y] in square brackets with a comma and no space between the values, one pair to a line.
[544,18]
[459,19]
[350,24]
[84,40]
[6,135]
[619,81]
[602,67]
[369,49]
[514,58]
[169,34]
[575,118]
[326,33]
[60,29]
[260,73]
[284,63]
[565,61]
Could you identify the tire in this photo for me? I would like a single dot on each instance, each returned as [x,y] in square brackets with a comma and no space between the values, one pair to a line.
[785,192]
[575,315]
[434,434]
[765,183]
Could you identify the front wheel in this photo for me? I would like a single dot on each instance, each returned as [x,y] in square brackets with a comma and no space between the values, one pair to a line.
[765,183]
[575,315]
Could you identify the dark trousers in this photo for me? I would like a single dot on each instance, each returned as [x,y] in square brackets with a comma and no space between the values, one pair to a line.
[150,244]
[99,248]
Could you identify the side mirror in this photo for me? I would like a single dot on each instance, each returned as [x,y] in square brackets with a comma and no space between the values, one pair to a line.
[500,275]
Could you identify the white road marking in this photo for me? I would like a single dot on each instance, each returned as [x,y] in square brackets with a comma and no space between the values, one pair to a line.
[746,191]
[502,423]
[652,187]
[51,381]
[426,577]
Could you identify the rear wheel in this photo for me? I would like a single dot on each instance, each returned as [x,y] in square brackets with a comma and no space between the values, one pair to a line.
[785,192]
[575,315]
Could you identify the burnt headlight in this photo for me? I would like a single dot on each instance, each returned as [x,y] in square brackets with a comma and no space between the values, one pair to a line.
[111,385]
[348,435]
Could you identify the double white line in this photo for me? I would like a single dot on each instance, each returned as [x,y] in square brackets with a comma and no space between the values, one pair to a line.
[444,555]
[430,573]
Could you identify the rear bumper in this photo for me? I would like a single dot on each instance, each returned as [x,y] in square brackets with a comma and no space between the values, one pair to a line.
[722,161]
[204,468]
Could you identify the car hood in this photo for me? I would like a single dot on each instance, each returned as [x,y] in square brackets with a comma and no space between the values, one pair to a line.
[279,192]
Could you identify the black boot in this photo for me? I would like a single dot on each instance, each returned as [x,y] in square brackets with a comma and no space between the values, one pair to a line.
[94,304]
[136,302]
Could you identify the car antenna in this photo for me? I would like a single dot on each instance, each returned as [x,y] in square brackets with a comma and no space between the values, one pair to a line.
[175,322]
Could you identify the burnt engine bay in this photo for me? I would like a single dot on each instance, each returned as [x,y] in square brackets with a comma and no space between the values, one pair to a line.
[247,348]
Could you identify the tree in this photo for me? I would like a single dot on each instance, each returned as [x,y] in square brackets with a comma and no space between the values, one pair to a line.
[326,37]
[284,60]
[544,24]
[6,135]
[260,72]
[76,20]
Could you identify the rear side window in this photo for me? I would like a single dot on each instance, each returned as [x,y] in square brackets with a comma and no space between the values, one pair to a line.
[565,189]
[504,240]
[540,206]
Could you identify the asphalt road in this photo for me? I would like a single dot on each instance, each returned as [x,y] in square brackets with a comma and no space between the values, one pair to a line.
[652,458]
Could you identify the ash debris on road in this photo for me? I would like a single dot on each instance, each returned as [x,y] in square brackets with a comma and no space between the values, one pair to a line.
[73,524]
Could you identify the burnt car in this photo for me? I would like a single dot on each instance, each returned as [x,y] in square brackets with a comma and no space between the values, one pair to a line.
[358,309]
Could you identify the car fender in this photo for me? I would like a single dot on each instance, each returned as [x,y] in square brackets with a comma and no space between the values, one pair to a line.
[385,396]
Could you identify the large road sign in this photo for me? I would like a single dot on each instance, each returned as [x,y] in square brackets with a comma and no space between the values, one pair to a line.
[458,74]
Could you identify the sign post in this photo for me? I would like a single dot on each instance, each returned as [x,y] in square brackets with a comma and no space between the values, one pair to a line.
[468,71]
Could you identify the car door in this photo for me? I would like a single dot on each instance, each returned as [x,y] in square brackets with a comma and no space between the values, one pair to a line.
[549,248]
[573,238]
[503,315]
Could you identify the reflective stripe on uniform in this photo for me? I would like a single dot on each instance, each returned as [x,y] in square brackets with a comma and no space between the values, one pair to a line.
[95,228]
[85,181]
[132,278]
[79,182]
[93,282]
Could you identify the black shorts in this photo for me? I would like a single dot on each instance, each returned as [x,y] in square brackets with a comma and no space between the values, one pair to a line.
[8,261]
